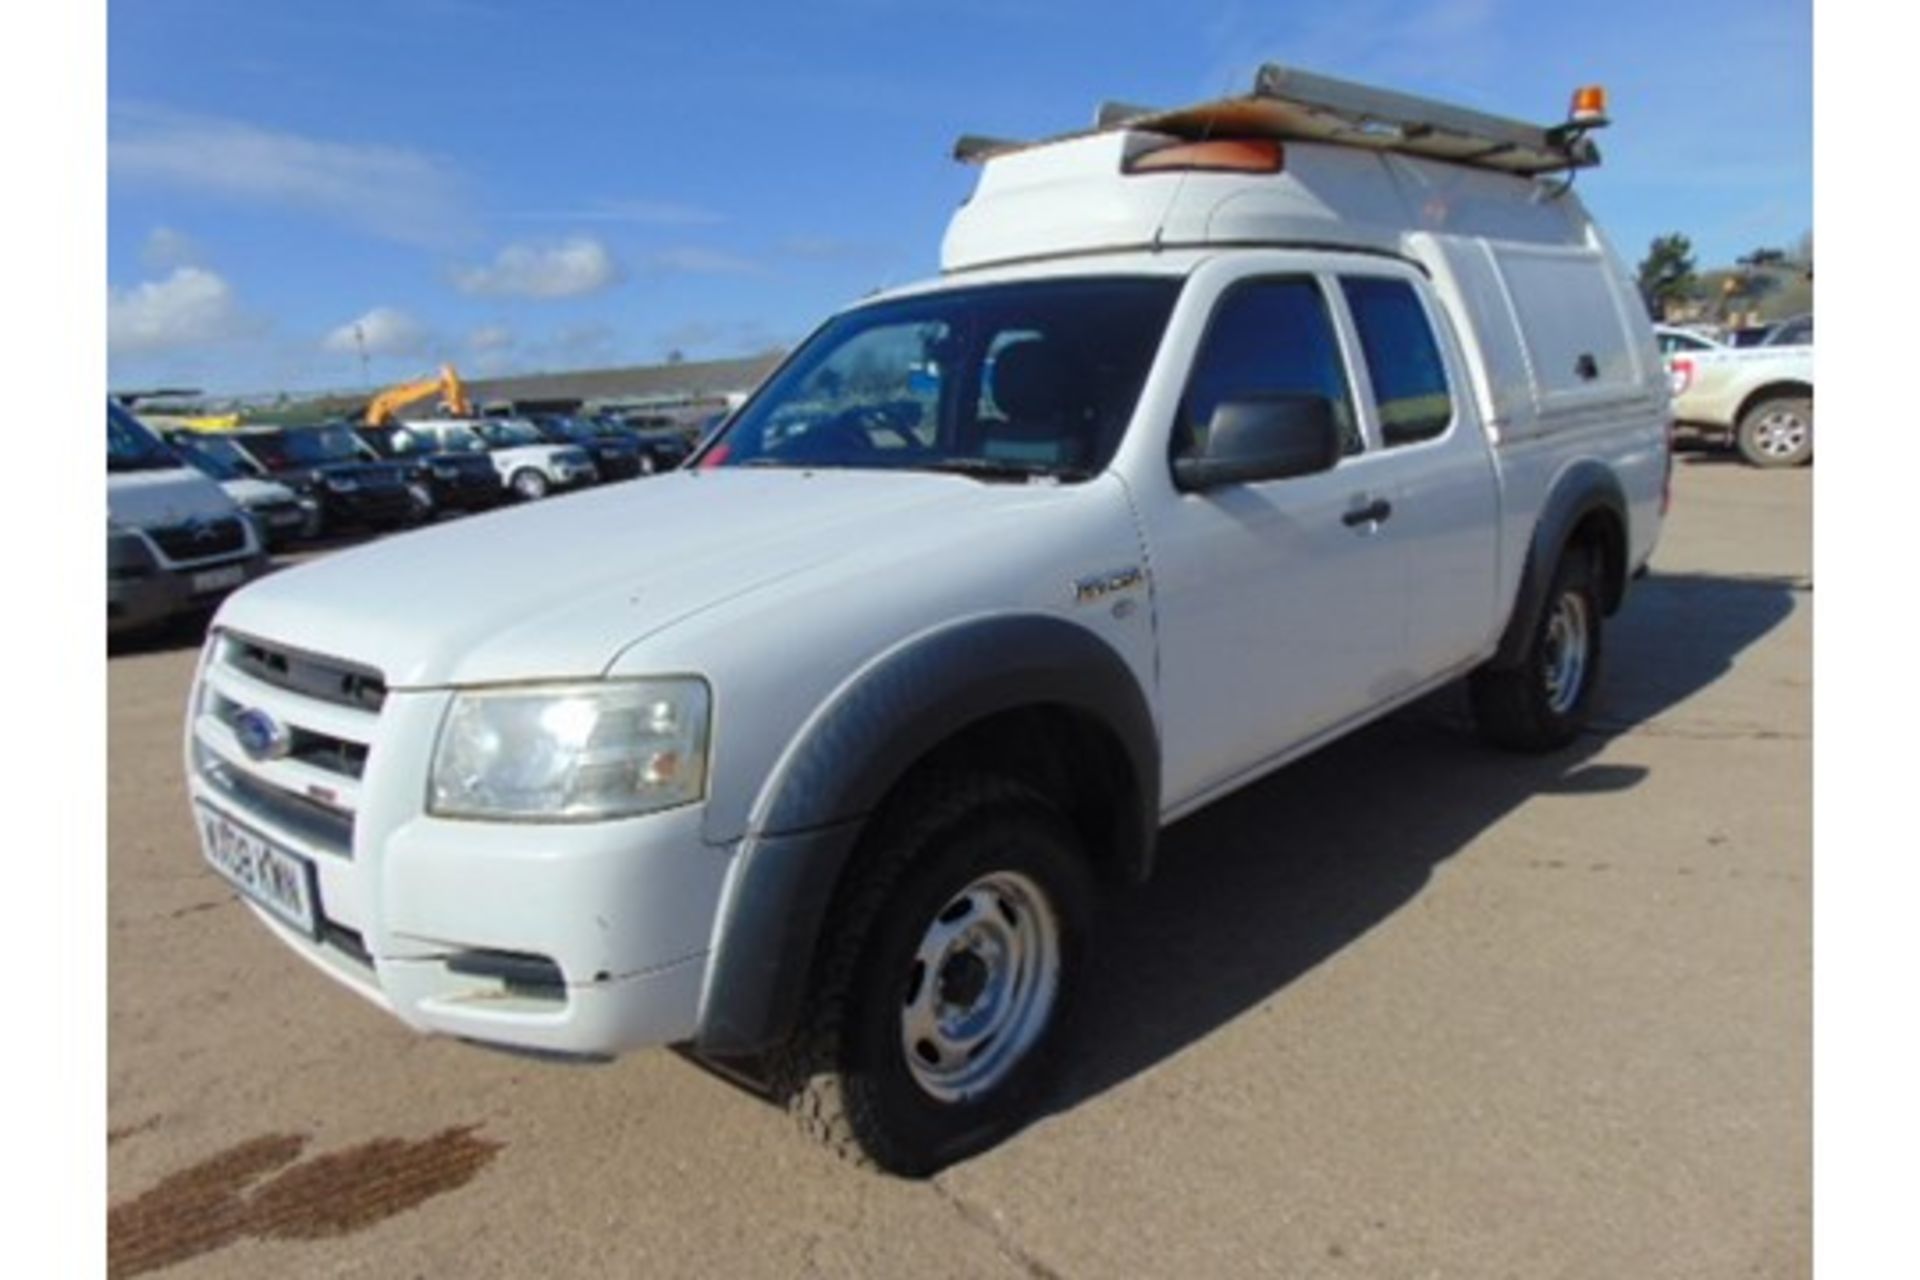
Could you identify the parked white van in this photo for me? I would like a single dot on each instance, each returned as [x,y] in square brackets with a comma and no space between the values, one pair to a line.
[1222,432]
[175,542]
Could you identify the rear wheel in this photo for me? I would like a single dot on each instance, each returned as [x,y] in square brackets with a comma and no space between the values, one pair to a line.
[1544,702]
[939,1007]
[1777,432]
[528,485]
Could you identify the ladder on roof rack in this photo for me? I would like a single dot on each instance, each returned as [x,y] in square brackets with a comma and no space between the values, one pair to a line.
[1288,103]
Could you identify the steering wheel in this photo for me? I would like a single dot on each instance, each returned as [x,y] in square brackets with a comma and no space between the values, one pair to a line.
[850,433]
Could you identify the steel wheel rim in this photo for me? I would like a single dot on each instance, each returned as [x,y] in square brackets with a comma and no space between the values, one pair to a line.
[1780,433]
[1568,643]
[980,987]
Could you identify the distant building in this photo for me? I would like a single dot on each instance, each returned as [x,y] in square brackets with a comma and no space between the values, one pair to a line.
[683,384]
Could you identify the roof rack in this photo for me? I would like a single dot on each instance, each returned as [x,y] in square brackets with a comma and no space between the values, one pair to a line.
[1288,103]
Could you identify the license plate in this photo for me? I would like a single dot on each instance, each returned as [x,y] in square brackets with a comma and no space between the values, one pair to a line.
[278,880]
[216,579]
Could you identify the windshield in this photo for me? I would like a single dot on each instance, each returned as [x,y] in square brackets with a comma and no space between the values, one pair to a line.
[132,447]
[221,464]
[305,447]
[1014,380]
[561,426]
[396,442]
[504,432]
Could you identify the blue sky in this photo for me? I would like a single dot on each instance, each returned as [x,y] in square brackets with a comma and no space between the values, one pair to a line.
[570,184]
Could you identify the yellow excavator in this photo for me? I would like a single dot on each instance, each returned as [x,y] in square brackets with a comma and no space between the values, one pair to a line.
[453,397]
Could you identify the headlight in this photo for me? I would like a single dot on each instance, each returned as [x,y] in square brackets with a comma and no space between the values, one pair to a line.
[563,753]
[127,553]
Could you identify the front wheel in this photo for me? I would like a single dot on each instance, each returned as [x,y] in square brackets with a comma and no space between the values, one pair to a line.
[529,485]
[1777,432]
[950,967]
[1544,701]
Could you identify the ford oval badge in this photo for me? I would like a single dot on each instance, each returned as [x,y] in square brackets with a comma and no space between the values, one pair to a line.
[260,735]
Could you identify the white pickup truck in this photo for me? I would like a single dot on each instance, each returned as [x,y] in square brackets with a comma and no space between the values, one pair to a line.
[1214,441]
[1759,399]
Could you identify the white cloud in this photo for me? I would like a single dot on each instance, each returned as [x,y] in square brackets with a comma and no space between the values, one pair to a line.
[696,261]
[166,248]
[394,192]
[192,307]
[492,337]
[562,269]
[385,331]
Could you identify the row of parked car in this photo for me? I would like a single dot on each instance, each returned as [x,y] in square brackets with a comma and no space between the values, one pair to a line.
[193,514]
[306,482]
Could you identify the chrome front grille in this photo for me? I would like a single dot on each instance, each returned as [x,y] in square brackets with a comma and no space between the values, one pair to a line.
[305,789]
[342,683]
[199,539]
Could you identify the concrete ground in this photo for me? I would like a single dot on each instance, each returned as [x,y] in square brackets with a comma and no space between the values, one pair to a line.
[1409,1008]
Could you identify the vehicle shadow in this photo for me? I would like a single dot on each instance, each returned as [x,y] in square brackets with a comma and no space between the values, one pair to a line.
[1256,890]
[184,631]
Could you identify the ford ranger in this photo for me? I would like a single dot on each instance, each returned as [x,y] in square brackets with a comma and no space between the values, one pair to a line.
[1221,434]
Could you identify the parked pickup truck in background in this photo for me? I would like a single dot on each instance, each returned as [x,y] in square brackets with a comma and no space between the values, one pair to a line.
[809,756]
[1759,399]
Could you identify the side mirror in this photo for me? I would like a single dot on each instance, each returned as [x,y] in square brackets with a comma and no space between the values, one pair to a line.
[1266,437]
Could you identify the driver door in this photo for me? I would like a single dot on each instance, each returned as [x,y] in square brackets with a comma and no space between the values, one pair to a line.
[1280,606]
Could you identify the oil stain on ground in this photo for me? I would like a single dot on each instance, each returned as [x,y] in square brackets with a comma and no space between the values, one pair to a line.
[263,1189]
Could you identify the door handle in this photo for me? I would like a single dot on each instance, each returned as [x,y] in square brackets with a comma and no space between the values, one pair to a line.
[1374,512]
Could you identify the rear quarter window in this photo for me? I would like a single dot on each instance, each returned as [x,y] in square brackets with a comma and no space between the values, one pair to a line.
[1409,379]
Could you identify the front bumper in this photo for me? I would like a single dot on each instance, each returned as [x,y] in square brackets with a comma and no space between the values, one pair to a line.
[284,522]
[163,593]
[384,507]
[467,491]
[582,939]
[618,466]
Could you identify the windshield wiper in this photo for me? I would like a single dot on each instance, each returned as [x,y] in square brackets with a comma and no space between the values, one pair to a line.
[1005,469]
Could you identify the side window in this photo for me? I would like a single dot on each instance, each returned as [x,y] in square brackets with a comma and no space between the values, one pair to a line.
[1403,360]
[1266,337]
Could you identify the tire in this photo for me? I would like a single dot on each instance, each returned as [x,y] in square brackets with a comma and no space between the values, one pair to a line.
[528,485]
[1544,702]
[953,856]
[1777,432]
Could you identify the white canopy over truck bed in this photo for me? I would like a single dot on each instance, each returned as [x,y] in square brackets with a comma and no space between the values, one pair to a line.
[1349,167]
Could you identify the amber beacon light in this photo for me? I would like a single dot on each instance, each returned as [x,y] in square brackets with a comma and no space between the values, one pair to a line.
[1589,105]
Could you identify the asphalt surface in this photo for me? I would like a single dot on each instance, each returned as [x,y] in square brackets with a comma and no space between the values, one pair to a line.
[1408,1008]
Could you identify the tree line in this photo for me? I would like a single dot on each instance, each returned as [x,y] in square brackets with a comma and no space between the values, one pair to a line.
[1669,276]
